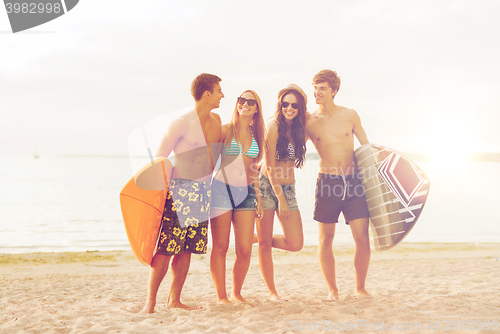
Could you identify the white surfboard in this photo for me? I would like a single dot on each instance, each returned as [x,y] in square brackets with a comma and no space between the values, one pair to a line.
[395,191]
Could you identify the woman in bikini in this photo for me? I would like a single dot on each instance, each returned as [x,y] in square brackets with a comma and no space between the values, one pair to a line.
[235,194]
[285,150]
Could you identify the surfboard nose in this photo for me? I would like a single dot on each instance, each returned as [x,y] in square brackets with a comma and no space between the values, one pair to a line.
[24,15]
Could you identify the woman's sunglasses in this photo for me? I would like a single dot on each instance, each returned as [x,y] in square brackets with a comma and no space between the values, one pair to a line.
[294,105]
[250,102]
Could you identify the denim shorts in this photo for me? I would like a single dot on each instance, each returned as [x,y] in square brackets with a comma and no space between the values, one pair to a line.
[269,199]
[227,197]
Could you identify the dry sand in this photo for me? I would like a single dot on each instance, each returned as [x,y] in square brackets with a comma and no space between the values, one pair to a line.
[439,286]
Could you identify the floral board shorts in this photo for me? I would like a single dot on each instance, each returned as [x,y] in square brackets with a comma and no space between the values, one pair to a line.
[185,218]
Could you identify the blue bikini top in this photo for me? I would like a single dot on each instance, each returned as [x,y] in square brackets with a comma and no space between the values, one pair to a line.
[235,148]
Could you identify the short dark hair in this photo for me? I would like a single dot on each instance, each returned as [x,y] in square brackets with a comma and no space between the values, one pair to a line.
[202,83]
[328,76]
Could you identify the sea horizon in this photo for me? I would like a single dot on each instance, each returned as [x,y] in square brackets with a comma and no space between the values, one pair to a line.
[72,204]
[480,156]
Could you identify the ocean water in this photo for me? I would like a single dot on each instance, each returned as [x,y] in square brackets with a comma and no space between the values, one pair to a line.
[58,204]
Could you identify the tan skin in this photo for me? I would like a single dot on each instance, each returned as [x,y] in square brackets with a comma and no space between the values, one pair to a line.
[242,172]
[279,173]
[187,137]
[332,128]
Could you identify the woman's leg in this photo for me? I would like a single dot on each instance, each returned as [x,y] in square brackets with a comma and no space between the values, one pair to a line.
[244,224]
[292,238]
[221,228]
[265,236]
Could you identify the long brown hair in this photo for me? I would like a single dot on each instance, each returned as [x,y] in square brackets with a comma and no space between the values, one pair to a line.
[297,128]
[257,125]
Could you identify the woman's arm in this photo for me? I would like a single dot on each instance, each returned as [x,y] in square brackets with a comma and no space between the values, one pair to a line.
[272,172]
[255,177]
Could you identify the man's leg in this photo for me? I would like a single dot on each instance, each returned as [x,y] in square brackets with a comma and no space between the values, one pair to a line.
[326,258]
[180,267]
[159,268]
[359,229]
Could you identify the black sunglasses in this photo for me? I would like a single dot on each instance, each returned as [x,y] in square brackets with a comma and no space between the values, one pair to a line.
[250,102]
[294,105]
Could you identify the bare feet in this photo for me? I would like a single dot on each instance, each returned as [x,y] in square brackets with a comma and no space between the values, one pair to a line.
[275,298]
[240,299]
[181,306]
[332,296]
[224,301]
[149,307]
[363,292]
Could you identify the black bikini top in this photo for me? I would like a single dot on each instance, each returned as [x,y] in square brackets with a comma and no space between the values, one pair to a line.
[290,156]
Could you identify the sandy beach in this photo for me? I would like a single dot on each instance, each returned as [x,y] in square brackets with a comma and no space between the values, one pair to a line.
[416,288]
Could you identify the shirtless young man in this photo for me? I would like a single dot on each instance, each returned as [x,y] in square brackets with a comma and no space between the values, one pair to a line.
[185,218]
[338,189]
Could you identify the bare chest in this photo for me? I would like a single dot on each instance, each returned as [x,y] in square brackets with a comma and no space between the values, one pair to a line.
[200,135]
[330,129]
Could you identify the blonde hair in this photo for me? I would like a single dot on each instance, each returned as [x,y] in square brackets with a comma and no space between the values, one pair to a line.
[257,125]
[328,76]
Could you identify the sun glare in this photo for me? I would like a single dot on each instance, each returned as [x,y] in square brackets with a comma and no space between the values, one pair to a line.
[449,142]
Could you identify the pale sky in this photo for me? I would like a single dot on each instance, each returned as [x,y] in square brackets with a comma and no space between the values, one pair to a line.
[421,74]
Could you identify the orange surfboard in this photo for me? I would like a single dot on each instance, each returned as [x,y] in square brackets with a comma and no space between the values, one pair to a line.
[142,201]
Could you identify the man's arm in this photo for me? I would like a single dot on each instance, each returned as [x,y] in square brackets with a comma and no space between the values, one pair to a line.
[175,131]
[358,130]
[308,117]
[215,147]
[222,136]
[217,117]
[220,146]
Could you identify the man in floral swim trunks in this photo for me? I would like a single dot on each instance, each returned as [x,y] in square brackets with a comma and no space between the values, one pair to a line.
[185,217]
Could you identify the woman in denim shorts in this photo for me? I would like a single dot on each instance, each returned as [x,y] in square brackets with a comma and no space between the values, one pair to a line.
[285,150]
[235,194]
